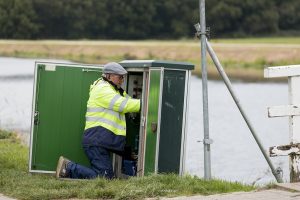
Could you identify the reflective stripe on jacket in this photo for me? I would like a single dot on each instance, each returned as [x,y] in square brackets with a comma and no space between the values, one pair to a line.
[107,108]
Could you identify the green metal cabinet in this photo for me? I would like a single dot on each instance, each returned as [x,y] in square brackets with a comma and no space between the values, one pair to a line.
[157,134]
[59,106]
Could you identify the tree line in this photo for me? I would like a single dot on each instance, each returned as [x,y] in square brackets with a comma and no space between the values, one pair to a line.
[145,19]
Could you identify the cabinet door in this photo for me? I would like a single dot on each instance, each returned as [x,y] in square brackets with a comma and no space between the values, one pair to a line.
[171,129]
[154,95]
[60,99]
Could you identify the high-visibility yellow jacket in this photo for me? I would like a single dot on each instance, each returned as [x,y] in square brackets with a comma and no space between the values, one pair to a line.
[107,108]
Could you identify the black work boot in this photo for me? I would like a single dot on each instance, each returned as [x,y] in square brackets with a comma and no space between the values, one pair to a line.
[61,169]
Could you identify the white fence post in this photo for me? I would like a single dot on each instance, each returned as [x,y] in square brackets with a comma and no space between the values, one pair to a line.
[293,112]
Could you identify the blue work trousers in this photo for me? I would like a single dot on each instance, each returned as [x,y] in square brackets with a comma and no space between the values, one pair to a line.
[101,165]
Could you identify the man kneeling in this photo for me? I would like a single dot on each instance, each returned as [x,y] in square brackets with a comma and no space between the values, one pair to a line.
[105,128]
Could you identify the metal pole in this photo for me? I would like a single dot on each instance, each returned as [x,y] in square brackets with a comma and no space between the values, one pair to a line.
[206,141]
[217,63]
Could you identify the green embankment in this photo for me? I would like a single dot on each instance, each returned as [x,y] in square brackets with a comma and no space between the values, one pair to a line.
[16,182]
[242,59]
[261,40]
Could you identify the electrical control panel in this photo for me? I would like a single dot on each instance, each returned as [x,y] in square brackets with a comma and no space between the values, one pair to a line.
[135,85]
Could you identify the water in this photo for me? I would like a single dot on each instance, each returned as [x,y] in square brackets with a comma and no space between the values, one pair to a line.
[234,154]
[16,91]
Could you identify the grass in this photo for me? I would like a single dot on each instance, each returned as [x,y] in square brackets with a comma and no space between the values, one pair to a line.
[16,182]
[261,40]
[6,134]
[238,56]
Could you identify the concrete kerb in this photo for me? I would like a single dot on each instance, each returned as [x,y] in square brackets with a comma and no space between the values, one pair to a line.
[273,194]
[2,197]
[293,187]
[282,191]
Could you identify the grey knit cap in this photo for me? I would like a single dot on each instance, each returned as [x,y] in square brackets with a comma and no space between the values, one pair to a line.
[114,68]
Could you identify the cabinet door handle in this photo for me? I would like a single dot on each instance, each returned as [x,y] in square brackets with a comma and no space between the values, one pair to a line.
[36,119]
[153,127]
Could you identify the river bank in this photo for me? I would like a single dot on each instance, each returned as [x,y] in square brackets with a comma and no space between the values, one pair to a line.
[242,59]
[15,179]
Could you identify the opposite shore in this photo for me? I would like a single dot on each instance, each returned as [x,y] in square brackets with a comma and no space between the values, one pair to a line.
[243,59]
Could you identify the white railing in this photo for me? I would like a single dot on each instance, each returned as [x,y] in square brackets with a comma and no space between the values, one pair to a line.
[293,112]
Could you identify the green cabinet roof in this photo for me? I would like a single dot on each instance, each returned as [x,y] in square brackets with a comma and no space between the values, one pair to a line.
[157,63]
